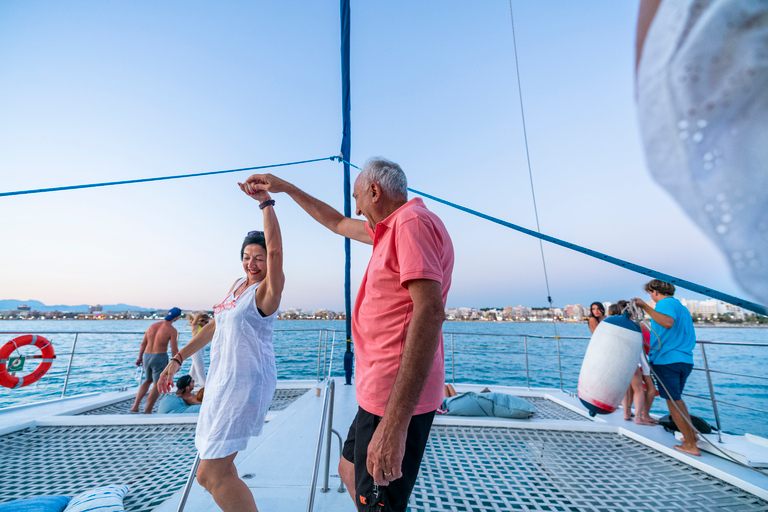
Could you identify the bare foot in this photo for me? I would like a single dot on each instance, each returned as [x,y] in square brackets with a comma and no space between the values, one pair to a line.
[628,417]
[134,409]
[682,439]
[689,450]
[643,422]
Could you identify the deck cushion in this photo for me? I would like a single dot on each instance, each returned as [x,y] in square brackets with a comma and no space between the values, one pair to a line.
[37,504]
[500,405]
[103,499]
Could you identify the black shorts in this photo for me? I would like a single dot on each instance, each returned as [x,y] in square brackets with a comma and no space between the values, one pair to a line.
[394,497]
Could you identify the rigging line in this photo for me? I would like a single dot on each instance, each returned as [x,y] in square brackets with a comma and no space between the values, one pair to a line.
[143,180]
[528,158]
[688,285]
[682,283]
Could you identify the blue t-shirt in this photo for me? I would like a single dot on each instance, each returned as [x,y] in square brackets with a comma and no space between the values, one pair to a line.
[677,342]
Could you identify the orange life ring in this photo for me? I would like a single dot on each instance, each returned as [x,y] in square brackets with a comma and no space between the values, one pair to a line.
[45,346]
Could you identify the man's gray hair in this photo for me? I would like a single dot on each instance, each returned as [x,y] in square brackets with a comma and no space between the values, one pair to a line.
[388,175]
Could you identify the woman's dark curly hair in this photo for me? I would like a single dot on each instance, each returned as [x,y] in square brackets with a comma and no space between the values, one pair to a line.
[257,239]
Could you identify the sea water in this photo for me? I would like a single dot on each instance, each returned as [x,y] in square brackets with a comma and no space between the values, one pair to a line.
[488,353]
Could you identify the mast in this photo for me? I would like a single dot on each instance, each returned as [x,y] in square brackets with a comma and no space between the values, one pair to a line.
[346,148]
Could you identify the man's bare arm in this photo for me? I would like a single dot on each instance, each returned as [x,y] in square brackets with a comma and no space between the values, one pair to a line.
[387,446]
[645,17]
[663,320]
[142,348]
[318,210]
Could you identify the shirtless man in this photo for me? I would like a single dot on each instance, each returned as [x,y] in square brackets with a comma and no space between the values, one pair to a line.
[153,353]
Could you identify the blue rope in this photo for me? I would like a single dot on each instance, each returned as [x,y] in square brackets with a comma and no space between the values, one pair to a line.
[92,185]
[682,283]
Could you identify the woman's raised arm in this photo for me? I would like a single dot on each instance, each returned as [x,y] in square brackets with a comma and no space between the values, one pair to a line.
[268,295]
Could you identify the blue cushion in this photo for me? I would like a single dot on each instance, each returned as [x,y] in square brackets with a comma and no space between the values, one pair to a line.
[174,404]
[37,504]
[103,499]
[498,405]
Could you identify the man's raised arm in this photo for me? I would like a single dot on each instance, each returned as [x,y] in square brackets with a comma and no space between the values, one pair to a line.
[318,210]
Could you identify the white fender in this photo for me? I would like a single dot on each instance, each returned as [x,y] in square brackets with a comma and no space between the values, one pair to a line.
[609,364]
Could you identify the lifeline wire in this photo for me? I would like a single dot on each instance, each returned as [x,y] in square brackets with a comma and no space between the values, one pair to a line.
[688,285]
[92,185]
[530,176]
[750,306]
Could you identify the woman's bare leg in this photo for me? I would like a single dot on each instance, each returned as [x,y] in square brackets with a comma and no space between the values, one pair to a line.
[626,403]
[639,399]
[220,478]
[650,395]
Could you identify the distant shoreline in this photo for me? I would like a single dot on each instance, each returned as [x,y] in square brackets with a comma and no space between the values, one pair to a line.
[701,325]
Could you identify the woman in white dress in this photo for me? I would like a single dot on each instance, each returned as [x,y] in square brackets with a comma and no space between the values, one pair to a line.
[197,372]
[242,375]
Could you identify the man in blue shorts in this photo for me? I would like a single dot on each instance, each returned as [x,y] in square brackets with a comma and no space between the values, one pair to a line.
[153,354]
[672,342]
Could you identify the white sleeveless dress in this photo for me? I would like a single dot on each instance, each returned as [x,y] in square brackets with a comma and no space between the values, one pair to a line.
[241,379]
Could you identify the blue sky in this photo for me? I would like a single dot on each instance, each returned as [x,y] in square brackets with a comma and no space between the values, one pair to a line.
[94,91]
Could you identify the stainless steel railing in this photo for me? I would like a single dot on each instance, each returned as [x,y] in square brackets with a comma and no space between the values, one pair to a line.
[708,371]
[330,389]
[324,363]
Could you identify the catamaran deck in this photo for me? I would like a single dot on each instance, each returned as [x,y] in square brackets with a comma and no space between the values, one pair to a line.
[559,460]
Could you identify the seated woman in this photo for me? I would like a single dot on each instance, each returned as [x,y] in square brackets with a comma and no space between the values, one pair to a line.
[184,401]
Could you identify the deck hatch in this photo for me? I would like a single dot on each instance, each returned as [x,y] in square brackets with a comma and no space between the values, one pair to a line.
[153,460]
[483,469]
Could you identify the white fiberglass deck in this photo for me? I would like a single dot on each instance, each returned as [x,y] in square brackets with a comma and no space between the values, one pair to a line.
[561,461]
[558,460]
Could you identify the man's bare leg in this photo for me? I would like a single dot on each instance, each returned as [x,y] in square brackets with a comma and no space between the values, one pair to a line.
[151,399]
[683,421]
[140,394]
[347,474]
[220,478]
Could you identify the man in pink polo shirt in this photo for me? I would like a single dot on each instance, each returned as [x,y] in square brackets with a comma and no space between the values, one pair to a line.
[396,328]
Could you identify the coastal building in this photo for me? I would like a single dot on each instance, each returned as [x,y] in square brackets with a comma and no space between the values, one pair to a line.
[575,312]
[712,307]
